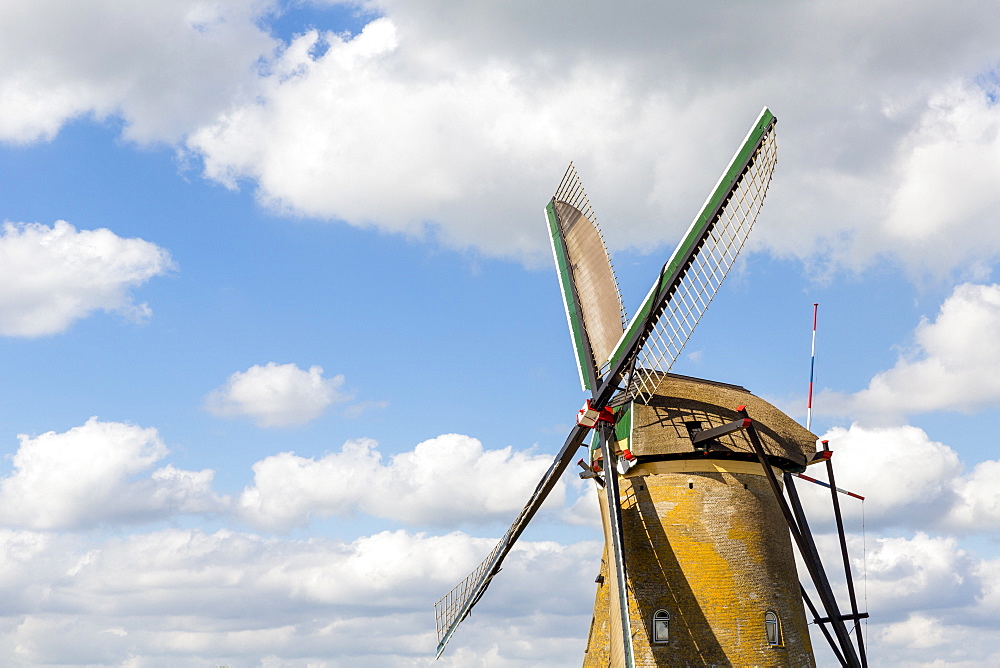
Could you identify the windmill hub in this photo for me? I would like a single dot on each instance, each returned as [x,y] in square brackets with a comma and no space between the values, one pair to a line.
[589,417]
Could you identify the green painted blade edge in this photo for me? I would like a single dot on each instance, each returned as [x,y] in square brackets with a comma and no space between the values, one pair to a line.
[573,316]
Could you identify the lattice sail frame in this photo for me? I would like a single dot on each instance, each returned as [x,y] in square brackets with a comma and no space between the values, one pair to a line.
[456,603]
[455,606]
[704,273]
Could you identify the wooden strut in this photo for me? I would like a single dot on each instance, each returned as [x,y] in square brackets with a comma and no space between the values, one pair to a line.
[826,620]
[820,580]
[822,627]
[799,528]
[847,562]
[708,434]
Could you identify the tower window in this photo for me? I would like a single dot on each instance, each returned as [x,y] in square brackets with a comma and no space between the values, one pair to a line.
[661,626]
[772,628]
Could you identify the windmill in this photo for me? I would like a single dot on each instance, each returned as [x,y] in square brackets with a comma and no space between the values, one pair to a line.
[698,566]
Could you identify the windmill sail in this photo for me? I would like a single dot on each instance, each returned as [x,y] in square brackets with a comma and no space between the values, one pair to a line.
[590,292]
[691,277]
[456,604]
[656,334]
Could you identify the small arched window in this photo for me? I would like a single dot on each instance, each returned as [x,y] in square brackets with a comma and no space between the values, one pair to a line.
[661,626]
[772,628]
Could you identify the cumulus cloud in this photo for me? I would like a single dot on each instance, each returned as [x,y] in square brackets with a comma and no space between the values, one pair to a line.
[443,481]
[159,597]
[103,473]
[904,475]
[978,503]
[90,475]
[189,596]
[932,602]
[920,573]
[276,395]
[229,597]
[163,66]
[234,597]
[948,168]
[908,480]
[950,366]
[344,118]
[432,101]
[468,117]
[56,275]
[919,631]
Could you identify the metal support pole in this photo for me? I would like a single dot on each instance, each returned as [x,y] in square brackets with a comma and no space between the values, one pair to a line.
[803,539]
[820,580]
[617,540]
[847,562]
[822,627]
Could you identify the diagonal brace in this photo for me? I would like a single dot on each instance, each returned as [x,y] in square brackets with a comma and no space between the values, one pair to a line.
[799,529]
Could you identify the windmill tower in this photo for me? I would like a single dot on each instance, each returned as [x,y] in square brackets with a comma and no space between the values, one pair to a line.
[698,567]
[711,572]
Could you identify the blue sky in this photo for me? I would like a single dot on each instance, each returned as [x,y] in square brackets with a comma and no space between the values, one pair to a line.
[297,354]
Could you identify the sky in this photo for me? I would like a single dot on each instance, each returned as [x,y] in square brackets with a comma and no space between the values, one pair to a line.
[282,350]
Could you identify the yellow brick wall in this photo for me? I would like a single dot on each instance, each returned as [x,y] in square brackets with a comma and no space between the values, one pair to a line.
[597,654]
[709,546]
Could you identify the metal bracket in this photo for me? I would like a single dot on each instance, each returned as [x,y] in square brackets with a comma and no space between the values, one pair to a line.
[716,432]
[588,473]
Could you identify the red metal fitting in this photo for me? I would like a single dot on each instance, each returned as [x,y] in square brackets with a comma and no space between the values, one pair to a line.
[589,417]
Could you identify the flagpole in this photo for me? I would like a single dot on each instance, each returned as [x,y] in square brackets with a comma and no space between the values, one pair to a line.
[812,371]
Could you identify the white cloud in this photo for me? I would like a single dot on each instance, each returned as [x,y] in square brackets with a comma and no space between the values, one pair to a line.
[191,597]
[585,509]
[56,275]
[905,476]
[228,597]
[276,395]
[443,481]
[102,473]
[184,595]
[918,631]
[932,603]
[469,116]
[89,475]
[978,505]
[920,573]
[344,119]
[163,66]
[908,480]
[951,365]
[929,599]
[456,110]
[948,168]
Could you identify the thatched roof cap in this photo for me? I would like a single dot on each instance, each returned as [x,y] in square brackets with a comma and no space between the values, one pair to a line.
[661,425]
